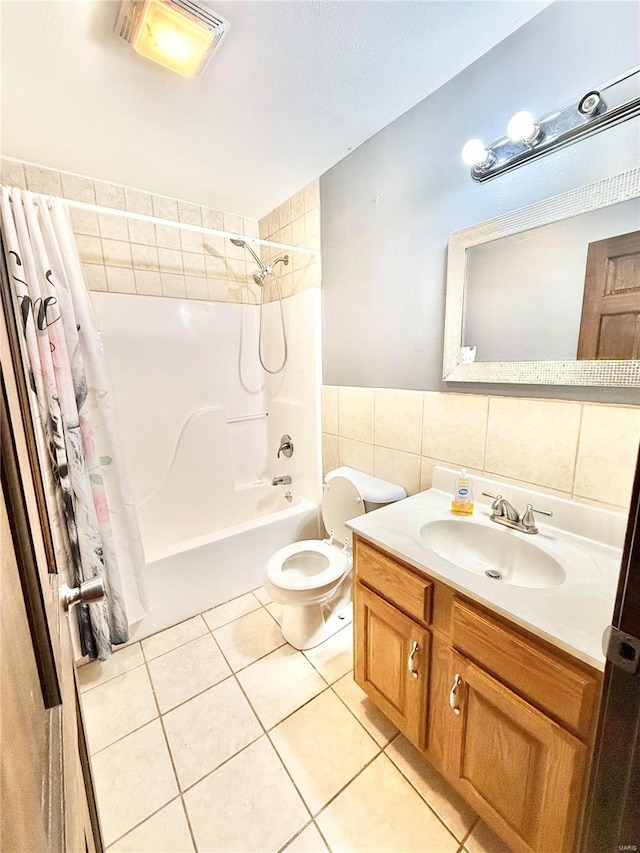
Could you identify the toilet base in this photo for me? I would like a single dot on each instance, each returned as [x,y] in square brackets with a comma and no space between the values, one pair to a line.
[307,625]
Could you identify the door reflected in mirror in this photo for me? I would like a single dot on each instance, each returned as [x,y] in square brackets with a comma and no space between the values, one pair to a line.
[563,291]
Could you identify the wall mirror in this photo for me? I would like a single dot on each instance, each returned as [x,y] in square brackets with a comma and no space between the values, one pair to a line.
[549,294]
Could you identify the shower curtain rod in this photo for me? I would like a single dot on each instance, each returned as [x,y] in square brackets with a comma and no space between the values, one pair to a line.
[171,223]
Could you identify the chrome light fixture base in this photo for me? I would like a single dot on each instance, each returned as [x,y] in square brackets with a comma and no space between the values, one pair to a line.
[592,113]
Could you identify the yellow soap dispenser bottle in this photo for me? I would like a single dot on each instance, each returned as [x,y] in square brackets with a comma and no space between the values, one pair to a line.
[462,501]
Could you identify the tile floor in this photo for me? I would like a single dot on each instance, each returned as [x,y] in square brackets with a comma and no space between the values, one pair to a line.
[216,735]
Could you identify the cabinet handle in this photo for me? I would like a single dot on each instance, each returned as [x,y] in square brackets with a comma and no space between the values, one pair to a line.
[453,695]
[410,660]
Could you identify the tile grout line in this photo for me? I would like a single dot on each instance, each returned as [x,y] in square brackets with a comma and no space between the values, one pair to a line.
[173,765]
[107,680]
[266,734]
[330,686]
[144,820]
[427,803]
[577,453]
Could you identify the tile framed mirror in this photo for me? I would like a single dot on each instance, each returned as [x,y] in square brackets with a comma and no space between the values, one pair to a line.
[549,294]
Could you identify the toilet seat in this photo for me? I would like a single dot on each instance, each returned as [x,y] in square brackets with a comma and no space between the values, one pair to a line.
[308,565]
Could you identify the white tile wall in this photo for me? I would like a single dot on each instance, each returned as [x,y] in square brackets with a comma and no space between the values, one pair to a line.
[118,254]
[296,222]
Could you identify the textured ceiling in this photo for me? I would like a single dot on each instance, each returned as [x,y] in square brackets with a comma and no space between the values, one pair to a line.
[294,87]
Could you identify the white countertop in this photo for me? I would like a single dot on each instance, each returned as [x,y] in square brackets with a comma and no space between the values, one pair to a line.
[572,616]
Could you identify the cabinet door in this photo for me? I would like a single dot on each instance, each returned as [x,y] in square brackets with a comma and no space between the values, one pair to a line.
[520,770]
[392,661]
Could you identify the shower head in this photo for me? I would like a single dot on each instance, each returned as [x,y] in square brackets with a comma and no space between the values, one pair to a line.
[238,241]
[259,277]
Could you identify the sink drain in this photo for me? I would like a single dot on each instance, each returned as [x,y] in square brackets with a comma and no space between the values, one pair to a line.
[494,574]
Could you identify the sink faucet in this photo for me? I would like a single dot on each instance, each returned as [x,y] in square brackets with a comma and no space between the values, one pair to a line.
[281,481]
[503,513]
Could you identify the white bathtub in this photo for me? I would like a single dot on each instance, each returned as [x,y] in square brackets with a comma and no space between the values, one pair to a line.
[187,577]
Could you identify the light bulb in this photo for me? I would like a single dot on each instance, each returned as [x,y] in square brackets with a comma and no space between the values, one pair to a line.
[474,153]
[522,127]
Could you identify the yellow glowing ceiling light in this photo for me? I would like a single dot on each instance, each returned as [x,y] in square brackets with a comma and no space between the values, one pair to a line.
[175,33]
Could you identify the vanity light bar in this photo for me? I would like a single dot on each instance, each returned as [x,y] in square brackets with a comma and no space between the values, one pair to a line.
[528,138]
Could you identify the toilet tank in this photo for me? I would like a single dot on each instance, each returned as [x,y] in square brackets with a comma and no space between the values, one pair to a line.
[374,492]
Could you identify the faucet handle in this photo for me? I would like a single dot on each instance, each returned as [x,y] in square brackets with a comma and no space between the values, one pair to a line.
[496,506]
[529,519]
[286,446]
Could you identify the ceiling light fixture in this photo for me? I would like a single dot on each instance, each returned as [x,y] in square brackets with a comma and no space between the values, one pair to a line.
[177,34]
[527,138]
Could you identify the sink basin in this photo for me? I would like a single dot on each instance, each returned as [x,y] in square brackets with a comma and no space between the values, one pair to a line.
[495,552]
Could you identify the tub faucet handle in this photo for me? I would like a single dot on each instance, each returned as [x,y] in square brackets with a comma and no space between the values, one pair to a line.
[286,446]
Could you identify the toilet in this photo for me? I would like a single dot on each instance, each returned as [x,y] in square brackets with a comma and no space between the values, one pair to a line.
[312,578]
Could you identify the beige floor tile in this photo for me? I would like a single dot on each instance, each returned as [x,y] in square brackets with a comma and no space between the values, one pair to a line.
[309,841]
[379,727]
[166,832]
[231,610]
[279,683]
[247,804]
[380,811]
[133,779]
[484,840]
[275,609]
[208,729]
[98,671]
[182,673]
[323,747]
[249,638]
[262,595]
[334,657]
[445,802]
[118,707]
[178,635]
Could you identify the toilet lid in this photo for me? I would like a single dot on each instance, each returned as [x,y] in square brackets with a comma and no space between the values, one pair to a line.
[340,502]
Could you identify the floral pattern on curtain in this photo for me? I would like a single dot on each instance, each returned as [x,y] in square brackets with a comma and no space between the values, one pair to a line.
[65,365]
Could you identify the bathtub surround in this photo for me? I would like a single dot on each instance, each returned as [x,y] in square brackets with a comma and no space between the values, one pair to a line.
[201,477]
[188,364]
[584,451]
[389,207]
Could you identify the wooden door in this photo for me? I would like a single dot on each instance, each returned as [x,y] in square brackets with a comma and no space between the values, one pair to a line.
[392,661]
[45,785]
[516,767]
[610,323]
[612,814]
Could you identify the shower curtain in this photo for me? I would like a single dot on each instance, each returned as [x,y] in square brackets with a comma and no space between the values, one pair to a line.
[88,494]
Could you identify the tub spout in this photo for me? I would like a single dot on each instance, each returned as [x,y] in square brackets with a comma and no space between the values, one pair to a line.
[281,481]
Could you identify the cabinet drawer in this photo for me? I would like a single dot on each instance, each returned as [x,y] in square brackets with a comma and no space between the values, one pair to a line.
[394,582]
[567,692]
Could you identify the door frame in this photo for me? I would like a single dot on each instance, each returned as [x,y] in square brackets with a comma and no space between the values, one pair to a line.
[612,812]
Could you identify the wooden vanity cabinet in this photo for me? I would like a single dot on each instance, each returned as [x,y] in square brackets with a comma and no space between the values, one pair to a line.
[505,717]
[392,662]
